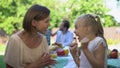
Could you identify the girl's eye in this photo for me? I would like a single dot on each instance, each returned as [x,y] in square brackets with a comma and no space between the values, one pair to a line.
[76,27]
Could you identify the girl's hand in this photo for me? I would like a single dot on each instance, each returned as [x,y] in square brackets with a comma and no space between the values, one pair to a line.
[73,48]
[74,51]
[84,43]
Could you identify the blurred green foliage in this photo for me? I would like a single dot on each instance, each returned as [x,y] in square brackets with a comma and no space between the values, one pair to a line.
[12,11]
[2,48]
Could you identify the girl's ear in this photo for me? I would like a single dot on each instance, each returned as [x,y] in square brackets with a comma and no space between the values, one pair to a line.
[33,23]
[88,29]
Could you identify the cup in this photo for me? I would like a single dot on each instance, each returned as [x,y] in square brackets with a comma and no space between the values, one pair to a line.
[66,51]
[53,54]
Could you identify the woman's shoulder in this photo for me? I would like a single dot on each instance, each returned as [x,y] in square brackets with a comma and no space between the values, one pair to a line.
[43,36]
[14,36]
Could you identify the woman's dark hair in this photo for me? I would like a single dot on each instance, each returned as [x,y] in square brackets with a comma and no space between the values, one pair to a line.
[66,24]
[35,12]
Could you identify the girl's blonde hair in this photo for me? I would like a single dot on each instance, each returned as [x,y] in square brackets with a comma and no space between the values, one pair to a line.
[93,21]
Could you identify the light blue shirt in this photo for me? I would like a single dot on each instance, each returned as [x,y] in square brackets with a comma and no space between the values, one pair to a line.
[65,39]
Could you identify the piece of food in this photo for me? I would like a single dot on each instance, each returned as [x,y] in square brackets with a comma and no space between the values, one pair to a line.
[54,55]
[53,48]
[66,51]
[60,52]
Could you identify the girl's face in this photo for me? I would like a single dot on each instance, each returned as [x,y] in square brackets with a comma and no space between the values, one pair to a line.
[42,25]
[80,30]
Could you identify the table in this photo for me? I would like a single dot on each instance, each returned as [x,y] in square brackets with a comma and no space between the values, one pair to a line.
[65,61]
[114,63]
[68,62]
[71,63]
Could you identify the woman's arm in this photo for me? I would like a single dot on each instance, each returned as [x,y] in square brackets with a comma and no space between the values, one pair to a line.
[44,60]
[40,63]
[96,59]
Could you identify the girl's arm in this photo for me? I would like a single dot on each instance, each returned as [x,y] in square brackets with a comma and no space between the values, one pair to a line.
[96,59]
[74,51]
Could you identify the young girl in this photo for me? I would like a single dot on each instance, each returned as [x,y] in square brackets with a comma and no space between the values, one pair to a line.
[93,50]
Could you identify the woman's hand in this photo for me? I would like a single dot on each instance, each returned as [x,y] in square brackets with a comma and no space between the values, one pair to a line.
[44,60]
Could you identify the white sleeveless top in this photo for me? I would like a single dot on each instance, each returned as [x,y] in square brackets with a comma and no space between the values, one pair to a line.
[84,63]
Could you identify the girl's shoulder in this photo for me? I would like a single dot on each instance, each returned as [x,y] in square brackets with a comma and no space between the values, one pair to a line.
[100,40]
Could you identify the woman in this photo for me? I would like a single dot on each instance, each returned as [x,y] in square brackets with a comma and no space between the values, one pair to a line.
[28,48]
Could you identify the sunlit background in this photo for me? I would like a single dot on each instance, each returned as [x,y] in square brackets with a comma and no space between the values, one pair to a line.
[12,13]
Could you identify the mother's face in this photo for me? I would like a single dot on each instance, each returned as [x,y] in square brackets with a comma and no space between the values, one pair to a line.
[42,25]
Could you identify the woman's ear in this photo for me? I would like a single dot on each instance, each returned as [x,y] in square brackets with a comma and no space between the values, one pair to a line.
[33,23]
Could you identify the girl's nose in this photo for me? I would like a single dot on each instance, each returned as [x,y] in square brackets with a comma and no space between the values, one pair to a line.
[75,31]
